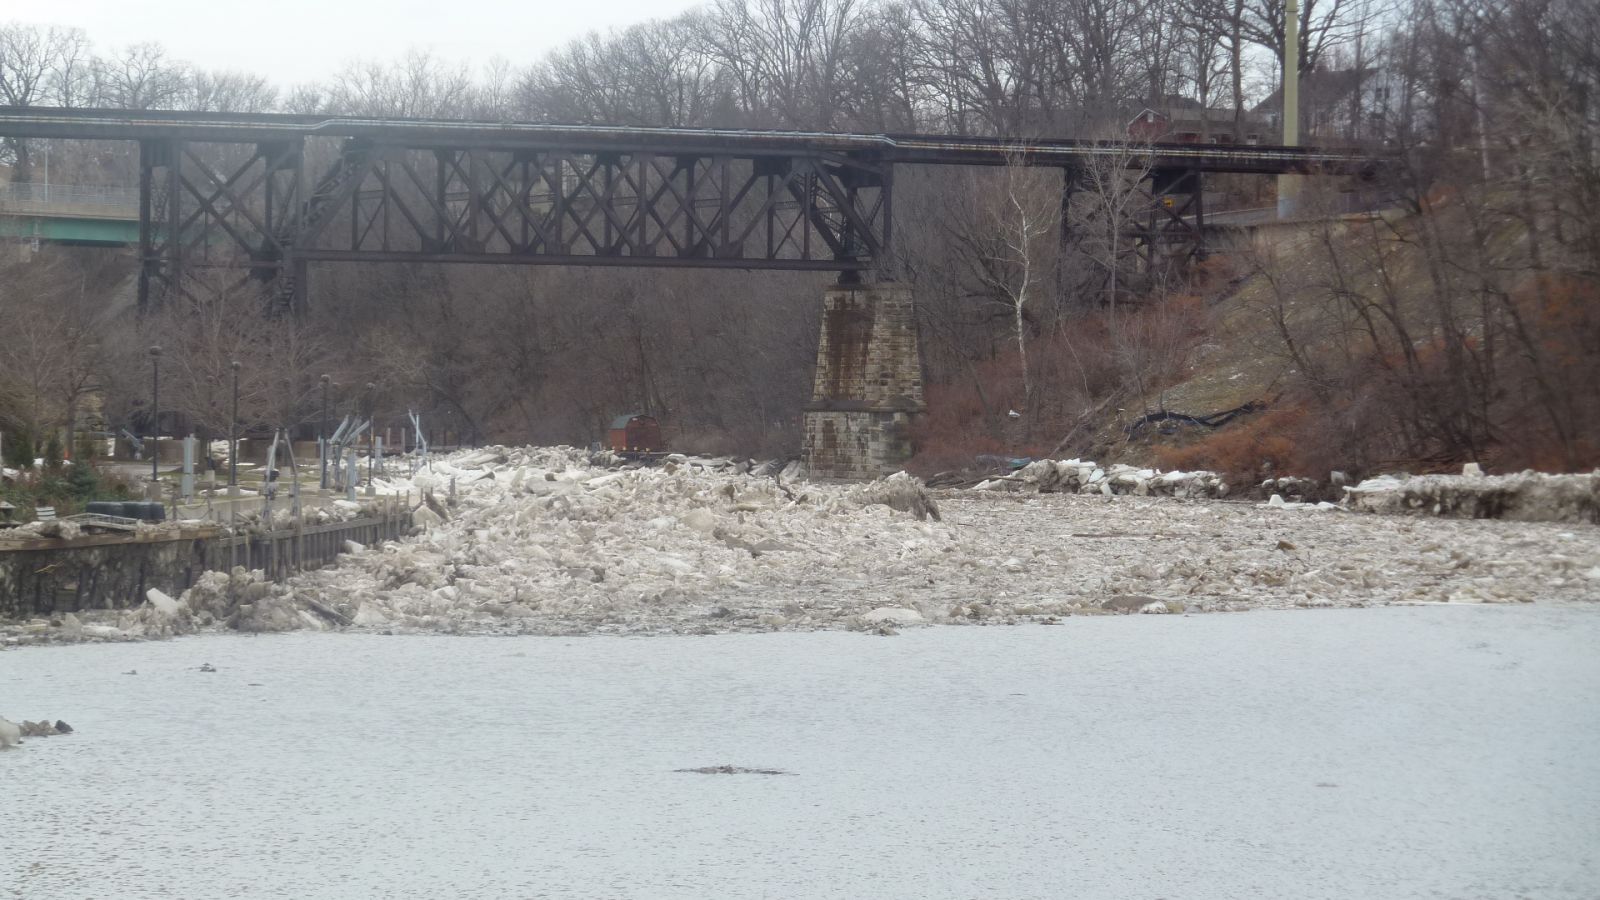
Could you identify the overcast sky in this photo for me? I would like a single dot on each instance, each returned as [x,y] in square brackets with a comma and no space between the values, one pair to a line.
[295,41]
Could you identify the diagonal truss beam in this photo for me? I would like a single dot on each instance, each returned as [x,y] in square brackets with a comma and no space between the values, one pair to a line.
[266,211]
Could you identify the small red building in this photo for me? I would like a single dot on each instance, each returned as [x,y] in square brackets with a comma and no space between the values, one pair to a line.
[635,433]
[1195,126]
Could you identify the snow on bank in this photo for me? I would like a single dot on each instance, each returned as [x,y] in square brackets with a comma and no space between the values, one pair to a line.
[1524,496]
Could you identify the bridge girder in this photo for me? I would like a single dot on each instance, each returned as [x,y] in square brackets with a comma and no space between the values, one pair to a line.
[267,194]
[379,202]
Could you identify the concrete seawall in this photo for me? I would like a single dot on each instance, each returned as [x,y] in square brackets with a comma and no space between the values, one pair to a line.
[45,577]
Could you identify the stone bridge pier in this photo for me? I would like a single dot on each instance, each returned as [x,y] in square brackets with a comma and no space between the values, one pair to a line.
[868,386]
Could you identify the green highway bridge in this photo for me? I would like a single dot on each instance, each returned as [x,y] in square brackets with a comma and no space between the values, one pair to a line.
[103,216]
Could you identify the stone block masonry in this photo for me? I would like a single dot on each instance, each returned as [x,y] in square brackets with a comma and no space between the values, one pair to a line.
[868,387]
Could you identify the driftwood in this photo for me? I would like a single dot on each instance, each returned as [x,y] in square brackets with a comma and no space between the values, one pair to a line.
[328,612]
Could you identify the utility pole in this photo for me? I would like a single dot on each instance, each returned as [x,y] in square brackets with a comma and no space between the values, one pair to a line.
[233,435]
[322,433]
[372,434]
[155,414]
[1289,185]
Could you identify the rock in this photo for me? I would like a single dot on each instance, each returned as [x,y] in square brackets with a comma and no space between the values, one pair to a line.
[1285,546]
[62,727]
[1157,607]
[354,547]
[1472,470]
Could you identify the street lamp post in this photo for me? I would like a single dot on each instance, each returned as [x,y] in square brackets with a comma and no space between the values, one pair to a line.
[233,433]
[322,431]
[155,413]
[372,431]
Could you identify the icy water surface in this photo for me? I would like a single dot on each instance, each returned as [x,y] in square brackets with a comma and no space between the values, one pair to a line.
[1383,753]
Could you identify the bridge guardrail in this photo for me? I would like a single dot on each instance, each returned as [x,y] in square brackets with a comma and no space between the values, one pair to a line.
[63,199]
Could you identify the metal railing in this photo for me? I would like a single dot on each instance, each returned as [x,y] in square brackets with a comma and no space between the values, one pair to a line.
[104,200]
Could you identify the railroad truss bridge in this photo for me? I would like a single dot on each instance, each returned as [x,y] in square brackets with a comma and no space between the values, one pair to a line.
[264,196]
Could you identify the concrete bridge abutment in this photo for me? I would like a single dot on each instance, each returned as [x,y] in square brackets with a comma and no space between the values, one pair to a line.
[868,387]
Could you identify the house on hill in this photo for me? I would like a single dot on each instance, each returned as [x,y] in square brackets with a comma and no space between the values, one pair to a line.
[1198,125]
[1336,107]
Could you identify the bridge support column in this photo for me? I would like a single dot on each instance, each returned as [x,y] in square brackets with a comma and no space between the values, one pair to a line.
[868,386]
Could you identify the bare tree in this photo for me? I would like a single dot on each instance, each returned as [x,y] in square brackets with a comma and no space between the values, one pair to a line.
[212,324]
[1026,214]
[141,77]
[418,85]
[1110,192]
[1324,26]
[34,65]
[49,355]
[230,92]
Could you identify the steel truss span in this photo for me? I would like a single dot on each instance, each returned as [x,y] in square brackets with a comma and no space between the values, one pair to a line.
[260,207]
[267,194]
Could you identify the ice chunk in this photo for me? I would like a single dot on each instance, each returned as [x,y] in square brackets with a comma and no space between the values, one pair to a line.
[701,520]
[892,615]
[369,614]
[161,602]
[424,518]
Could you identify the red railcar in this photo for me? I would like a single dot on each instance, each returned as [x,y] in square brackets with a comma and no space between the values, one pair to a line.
[635,433]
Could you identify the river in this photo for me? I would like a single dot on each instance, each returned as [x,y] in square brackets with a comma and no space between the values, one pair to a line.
[1397,752]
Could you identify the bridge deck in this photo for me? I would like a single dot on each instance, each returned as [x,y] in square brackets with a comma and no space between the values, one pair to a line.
[923,149]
